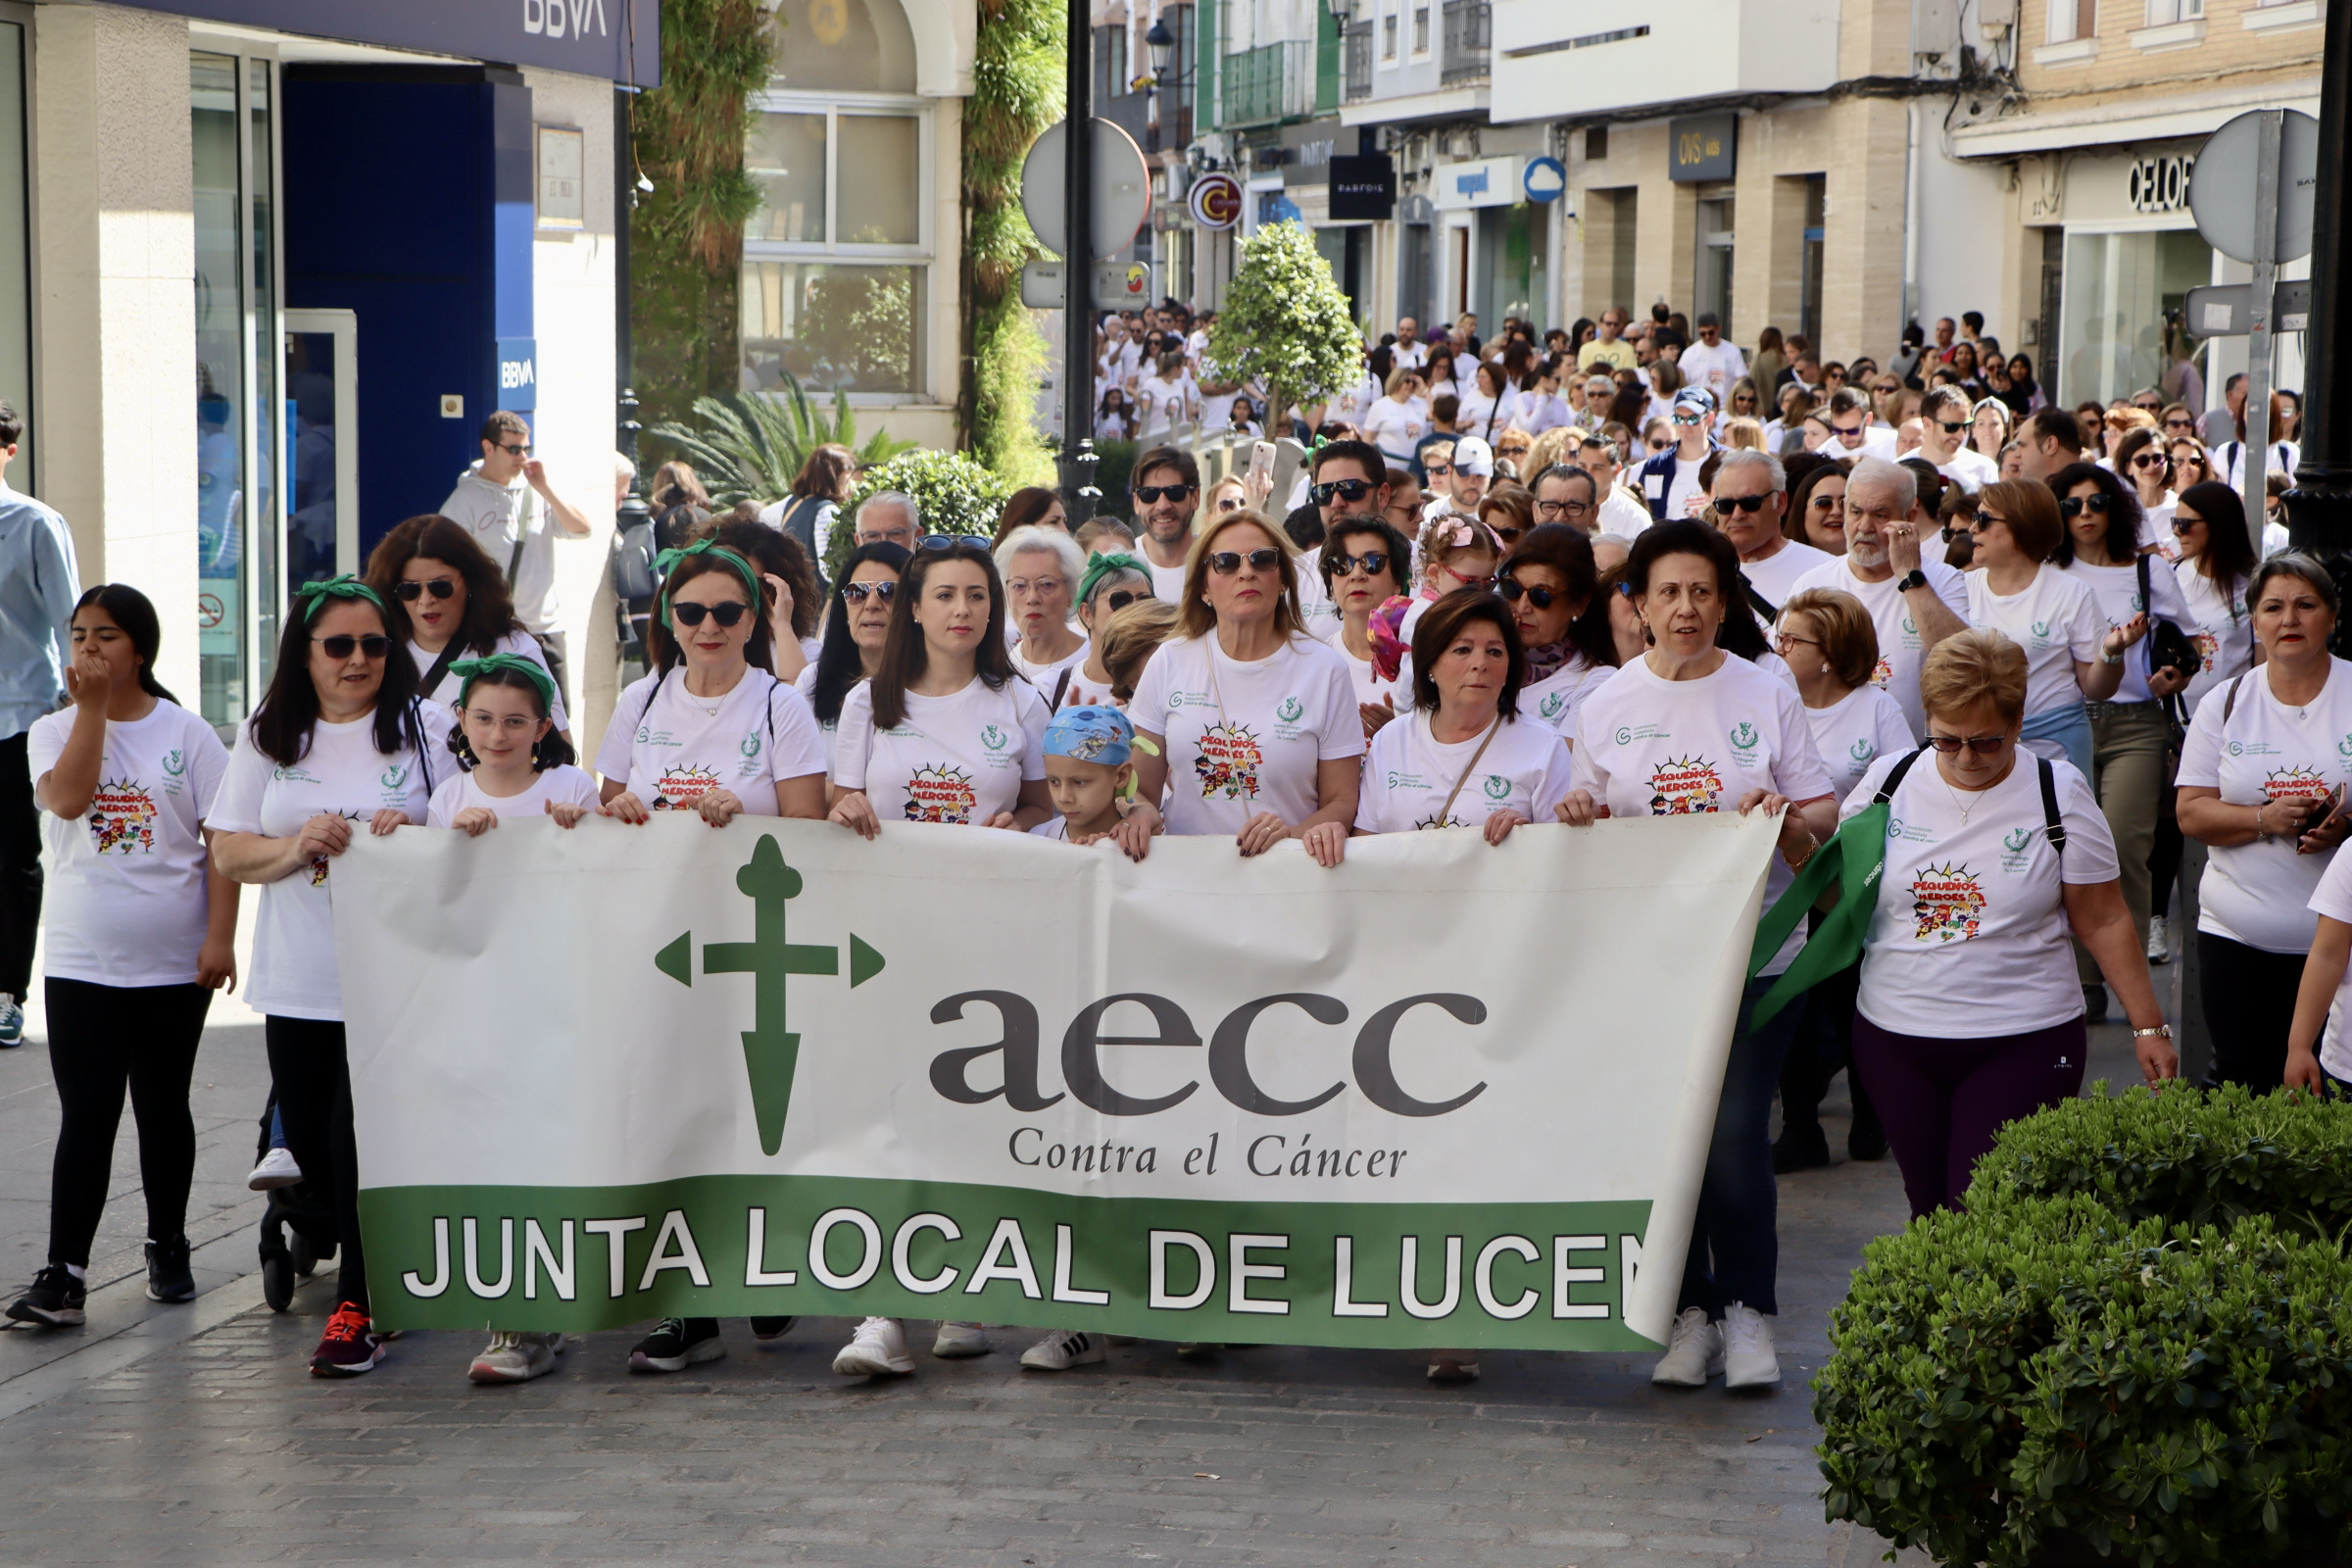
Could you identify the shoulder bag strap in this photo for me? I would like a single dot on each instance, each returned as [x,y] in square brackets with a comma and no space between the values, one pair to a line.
[1063,685]
[521,518]
[1895,777]
[2229,702]
[1445,812]
[430,681]
[2052,822]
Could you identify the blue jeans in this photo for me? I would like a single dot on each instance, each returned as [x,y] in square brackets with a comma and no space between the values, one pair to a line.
[1735,1237]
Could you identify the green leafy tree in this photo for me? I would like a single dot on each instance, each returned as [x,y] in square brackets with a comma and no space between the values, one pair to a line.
[750,445]
[954,493]
[1285,322]
[1018,88]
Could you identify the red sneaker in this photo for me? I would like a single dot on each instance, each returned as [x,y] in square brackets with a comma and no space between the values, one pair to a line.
[348,1346]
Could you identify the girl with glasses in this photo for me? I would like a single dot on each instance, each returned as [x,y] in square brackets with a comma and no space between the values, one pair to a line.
[339,744]
[456,602]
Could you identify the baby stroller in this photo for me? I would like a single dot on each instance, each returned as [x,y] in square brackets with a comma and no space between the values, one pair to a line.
[300,1209]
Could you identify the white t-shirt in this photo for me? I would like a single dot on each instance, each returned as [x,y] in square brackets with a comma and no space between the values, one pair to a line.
[1969,940]
[1396,425]
[1245,738]
[2116,589]
[2057,623]
[1363,677]
[1650,747]
[126,903]
[2259,892]
[1167,582]
[445,694]
[1775,576]
[497,516]
[957,759]
[2333,897]
[1350,405]
[1681,490]
[1972,470]
[670,748]
[1409,774]
[1471,419]
[1557,699]
[1163,403]
[1715,368]
[1044,677]
[294,972]
[1856,731]
[1408,356]
[2224,632]
[1623,513]
[1901,649]
[562,784]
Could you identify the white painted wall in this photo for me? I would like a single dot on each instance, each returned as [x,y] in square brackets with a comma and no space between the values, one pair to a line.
[1962,209]
[1694,49]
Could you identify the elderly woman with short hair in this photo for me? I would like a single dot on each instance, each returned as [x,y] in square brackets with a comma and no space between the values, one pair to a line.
[1968,1016]
[1041,568]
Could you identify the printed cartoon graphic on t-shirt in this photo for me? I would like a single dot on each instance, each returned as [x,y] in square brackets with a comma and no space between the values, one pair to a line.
[2207,644]
[1946,904]
[320,863]
[2295,784]
[1228,763]
[681,787]
[123,817]
[1883,671]
[941,792]
[1685,786]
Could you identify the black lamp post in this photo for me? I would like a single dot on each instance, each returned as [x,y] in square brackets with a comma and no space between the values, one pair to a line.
[1162,44]
[2319,509]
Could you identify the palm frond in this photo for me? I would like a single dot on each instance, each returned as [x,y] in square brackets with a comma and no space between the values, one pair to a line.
[750,445]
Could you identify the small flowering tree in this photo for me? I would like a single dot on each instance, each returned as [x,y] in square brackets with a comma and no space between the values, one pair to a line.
[1285,322]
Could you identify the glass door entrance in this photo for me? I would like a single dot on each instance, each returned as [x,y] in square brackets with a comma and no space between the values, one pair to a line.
[322,508]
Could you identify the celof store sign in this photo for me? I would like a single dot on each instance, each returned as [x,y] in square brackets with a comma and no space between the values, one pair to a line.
[2160,185]
[518,373]
[588,37]
[1215,201]
[1363,189]
[1307,151]
[1704,147]
[1479,182]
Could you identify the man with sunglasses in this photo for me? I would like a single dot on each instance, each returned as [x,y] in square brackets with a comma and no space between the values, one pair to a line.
[1852,434]
[1711,362]
[1166,487]
[1946,415]
[515,514]
[1750,498]
[1914,601]
[1670,481]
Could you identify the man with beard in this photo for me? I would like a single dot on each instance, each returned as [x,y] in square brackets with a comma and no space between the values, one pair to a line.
[1166,488]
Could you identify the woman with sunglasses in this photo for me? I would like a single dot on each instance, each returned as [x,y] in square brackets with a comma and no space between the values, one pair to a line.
[1968,1016]
[711,730]
[338,741]
[1254,726]
[1816,513]
[856,625]
[457,604]
[2260,773]
[1745,401]
[1363,565]
[1112,582]
[1549,582]
[2141,462]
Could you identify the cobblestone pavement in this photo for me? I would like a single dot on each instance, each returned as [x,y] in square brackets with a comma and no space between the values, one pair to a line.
[194,1434]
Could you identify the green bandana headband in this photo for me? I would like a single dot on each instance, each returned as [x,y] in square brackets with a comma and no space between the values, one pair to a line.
[668,558]
[1104,566]
[470,670]
[314,595]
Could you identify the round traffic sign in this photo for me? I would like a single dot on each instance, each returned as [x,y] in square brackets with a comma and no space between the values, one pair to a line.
[1215,201]
[1122,188]
[1545,179]
[2222,188]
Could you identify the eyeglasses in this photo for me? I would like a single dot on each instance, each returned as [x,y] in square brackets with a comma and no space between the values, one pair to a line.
[515,452]
[1687,416]
[727,615]
[438,587]
[1983,519]
[1151,493]
[1782,640]
[1510,452]
[1468,581]
[1725,506]
[1343,489]
[941,541]
[1372,562]
[1548,510]
[1982,745]
[1659,443]
[1048,586]
[1225,562]
[1828,501]
[2150,460]
[376,645]
[855,592]
[1513,590]
[1229,502]
[2076,505]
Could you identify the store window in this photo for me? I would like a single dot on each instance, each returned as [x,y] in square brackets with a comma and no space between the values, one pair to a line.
[233,146]
[836,260]
[1713,270]
[2118,290]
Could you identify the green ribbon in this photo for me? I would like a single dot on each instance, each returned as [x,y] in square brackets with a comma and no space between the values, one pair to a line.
[1853,861]
[1101,566]
[668,558]
[314,595]
[470,670]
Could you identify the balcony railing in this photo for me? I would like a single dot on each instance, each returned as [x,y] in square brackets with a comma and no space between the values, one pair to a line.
[1355,44]
[1469,34]
[1272,82]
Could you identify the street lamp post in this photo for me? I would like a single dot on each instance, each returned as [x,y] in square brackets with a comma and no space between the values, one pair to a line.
[2319,508]
[1078,459]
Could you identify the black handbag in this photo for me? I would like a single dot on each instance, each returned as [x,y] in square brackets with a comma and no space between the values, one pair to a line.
[2169,647]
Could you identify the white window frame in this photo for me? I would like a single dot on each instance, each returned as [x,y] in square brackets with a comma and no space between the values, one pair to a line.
[2066,25]
[1391,35]
[1425,32]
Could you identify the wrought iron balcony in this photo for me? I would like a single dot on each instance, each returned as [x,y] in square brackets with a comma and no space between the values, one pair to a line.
[1469,35]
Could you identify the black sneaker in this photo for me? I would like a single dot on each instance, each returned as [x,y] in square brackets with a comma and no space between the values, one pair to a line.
[54,1301]
[1800,1148]
[676,1344]
[168,1276]
[1867,1140]
[771,1328]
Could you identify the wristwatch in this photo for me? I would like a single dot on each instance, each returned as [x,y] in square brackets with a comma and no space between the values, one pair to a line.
[1914,579]
[2164,1029]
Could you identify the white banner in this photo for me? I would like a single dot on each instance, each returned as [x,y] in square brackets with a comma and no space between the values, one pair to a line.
[1446,1095]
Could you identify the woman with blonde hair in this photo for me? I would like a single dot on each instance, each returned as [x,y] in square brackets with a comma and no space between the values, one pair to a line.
[1128,640]
[1742,435]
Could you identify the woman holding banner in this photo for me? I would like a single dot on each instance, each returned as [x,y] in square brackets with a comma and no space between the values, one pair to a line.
[1970,1014]
[1686,728]
[339,738]
[856,626]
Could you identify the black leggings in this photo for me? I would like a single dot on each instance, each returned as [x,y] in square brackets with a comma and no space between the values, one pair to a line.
[102,1040]
[2250,1007]
[313,1080]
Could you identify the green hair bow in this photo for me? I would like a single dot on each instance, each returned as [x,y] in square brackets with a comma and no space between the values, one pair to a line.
[1104,565]
[668,558]
[314,595]
[470,670]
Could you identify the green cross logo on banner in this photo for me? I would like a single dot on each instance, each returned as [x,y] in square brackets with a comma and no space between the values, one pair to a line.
[770,1051]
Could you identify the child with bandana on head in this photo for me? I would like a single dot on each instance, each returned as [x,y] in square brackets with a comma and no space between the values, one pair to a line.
[1088,773]
[515,761]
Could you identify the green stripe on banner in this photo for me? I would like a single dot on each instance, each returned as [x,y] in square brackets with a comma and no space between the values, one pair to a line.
[1533,1276]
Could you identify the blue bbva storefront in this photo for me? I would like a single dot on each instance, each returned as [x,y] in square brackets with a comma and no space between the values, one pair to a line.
[349,229]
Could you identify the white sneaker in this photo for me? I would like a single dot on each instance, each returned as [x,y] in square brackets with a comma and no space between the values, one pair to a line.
[1062,1350]
[1694,1354]
[2160,940]
[516,1358]
[277,1169]
[960,1338]
[1750,1361]
[878,1348]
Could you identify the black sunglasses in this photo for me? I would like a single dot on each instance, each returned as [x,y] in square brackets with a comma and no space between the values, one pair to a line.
[1983,519]
[438,587]
[1121,598]
[1343,489]
[2150,460]
[855,593]
[1513,590]
[517,452]
[1982,745]
[1752,505]
[1149,493]
[1950,428]
[2076,505]
[727,615]
[1225,562]
[1372,561]
[376,645]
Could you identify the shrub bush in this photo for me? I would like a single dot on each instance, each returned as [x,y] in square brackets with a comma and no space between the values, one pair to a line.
[954,494]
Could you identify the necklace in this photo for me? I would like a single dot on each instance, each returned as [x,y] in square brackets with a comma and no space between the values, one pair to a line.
[1971,804]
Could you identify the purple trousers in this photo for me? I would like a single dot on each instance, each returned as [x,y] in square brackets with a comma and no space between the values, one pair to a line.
[1942,1101]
